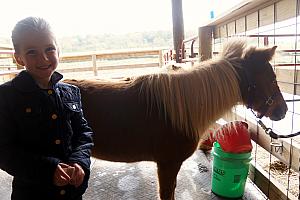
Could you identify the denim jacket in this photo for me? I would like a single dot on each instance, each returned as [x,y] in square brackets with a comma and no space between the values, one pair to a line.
[38,129]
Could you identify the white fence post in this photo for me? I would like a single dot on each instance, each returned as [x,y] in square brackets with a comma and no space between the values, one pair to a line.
[161,58]
[94,60]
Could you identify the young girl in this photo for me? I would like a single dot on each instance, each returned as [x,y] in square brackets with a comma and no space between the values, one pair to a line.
[45,141]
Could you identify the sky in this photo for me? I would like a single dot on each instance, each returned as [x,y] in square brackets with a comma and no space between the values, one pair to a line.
[82,17]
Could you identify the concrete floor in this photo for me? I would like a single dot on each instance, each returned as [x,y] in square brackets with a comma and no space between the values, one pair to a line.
[138,181]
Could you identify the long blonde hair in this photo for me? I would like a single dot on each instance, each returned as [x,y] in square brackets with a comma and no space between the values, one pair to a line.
[194,99]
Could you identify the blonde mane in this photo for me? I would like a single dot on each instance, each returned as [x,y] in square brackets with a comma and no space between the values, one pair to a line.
[194,99]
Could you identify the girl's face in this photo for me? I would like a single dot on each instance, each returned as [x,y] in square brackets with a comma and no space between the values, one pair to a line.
[38,52]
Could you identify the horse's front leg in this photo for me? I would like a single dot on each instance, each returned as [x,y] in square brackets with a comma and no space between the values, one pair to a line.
[167,176]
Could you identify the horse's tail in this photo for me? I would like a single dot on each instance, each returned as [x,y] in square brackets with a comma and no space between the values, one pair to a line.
[233,49]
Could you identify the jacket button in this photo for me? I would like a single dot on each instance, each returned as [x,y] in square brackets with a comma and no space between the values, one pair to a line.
[62,192]
[74,106]
[54,116]
[28,110]
[50,92]
[57,141]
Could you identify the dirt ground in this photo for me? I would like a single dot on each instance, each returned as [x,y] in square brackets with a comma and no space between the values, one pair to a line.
[288,178]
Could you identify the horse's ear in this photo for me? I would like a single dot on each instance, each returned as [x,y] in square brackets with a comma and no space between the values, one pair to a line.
[270,53]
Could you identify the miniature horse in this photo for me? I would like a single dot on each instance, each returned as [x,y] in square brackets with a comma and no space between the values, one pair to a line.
[161,117]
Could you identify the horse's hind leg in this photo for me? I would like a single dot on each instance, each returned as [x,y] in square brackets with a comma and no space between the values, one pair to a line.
[167,176]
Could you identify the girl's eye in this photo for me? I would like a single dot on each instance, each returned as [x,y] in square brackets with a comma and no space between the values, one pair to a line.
[51,49]
[31,52]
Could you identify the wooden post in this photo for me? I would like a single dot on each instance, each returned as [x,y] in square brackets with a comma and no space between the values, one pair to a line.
[94,60]
[160,58]
[178,29]
[205,43]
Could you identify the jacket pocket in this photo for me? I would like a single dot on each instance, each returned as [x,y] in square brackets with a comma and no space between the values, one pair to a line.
[72,106]
[29,114]
[71,109]
[30,122]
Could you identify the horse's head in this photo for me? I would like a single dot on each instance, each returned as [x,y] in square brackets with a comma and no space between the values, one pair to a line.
[259,88]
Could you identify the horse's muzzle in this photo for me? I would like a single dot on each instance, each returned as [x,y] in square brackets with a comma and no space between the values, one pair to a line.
[278,113]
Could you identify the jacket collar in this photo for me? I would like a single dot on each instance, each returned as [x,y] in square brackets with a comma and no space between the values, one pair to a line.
[25,83]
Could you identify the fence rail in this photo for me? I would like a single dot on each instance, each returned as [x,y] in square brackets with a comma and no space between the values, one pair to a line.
[94,61]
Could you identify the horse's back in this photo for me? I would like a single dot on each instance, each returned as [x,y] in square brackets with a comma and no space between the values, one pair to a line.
[126,129]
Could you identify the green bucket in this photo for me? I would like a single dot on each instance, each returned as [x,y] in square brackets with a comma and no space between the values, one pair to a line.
[230,172]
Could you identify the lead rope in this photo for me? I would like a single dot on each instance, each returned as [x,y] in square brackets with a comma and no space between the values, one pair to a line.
[274,135]
[271,133]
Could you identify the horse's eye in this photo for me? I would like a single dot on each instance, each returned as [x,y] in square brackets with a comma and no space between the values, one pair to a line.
[274,82]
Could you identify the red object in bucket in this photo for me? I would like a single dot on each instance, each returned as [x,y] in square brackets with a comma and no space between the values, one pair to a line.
[233,137]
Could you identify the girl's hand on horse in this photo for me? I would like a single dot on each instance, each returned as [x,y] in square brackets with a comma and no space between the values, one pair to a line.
[78,175]
[61,178]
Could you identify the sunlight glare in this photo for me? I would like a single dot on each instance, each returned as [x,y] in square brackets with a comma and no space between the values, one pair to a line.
[102,16]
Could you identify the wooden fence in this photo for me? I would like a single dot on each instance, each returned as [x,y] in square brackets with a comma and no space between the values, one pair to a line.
[92,63]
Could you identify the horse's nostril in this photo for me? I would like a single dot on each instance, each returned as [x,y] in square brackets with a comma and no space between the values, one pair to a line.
[279,113]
